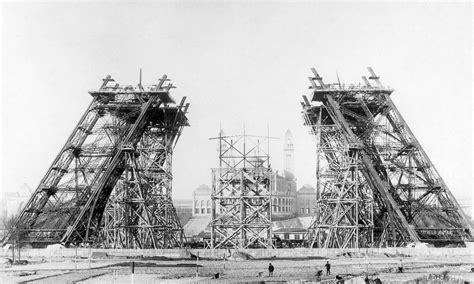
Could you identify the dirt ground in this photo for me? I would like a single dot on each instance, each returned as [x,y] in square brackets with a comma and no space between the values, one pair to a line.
[351,269]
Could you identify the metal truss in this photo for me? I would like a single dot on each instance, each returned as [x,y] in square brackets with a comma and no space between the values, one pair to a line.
[241,194]
[377,185]
[122,145]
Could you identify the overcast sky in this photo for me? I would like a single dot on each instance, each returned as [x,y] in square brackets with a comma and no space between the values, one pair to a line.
[238,64]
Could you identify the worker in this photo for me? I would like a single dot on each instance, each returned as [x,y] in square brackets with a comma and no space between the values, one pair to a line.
[270,270]
[400,267]
[319,273]
[328,268]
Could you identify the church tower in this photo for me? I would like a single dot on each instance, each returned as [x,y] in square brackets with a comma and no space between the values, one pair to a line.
[289,152]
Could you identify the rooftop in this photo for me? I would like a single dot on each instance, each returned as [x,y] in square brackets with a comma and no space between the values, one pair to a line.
[203,188]
[307,188]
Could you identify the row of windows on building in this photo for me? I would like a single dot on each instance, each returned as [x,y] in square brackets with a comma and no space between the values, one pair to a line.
[207,210]
[283,205]
[279,205]
[202,207]
[290,236]
[306,210]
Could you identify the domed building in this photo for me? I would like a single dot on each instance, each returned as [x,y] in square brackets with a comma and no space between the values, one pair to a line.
[202,200]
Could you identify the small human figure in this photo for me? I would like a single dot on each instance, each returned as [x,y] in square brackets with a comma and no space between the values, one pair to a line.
[270,270]
[217,276]
[366,279]
[400,267]
[319,273]
[328,268]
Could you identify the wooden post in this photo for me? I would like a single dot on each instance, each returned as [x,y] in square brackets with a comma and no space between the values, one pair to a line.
[75,260]
[13,252]
[19,246]
[197,266]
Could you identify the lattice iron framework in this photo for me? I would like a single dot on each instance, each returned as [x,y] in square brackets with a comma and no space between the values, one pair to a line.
[118,156]
[241,193]
[377,187]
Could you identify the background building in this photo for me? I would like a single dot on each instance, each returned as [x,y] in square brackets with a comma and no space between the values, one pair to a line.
[287,202]
[289,154]
[184,209]
[284,196]
[202,200]
[306,200]
[284,186]
[201,213]
[11,202]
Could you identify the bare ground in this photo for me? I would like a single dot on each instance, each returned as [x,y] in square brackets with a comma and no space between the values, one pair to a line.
[352,269]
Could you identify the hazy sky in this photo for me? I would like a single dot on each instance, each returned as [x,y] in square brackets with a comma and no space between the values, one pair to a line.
[238,63]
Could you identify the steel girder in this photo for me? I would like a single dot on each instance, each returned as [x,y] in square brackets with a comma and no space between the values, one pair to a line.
[68,205]
[410,201]
[241,194]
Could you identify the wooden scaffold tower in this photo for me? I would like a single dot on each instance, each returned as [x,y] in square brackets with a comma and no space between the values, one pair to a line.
[241,193]
[376,185]
[110,185]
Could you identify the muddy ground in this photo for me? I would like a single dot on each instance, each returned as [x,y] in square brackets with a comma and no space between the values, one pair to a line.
[353,269]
